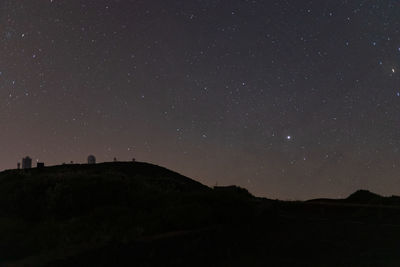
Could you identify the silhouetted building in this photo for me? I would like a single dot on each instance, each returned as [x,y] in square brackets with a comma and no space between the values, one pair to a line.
[91,159]
[115,159]
[18,165]
[26,163]
[40,165]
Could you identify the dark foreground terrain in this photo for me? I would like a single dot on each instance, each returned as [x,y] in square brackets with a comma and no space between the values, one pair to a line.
[138,214]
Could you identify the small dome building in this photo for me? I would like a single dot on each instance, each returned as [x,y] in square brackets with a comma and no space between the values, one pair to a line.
[91,159]
[26,163]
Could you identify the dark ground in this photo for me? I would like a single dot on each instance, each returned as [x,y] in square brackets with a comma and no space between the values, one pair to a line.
[138,214]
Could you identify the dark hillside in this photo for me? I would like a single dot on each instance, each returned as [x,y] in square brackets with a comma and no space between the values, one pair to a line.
[74,207]
[364,196]
[68,190]
[367,197]
[138,214]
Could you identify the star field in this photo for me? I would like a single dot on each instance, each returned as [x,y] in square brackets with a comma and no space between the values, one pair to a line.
[290,99]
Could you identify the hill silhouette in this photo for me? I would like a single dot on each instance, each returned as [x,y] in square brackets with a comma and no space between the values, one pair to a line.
[363,196]
[367,197]
[139,214]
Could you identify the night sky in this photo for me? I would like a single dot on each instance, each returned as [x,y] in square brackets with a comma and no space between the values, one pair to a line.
[291,99]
